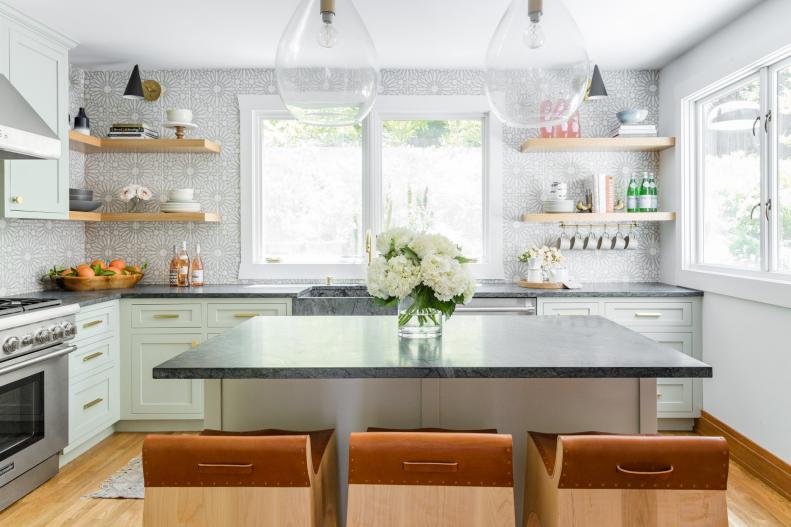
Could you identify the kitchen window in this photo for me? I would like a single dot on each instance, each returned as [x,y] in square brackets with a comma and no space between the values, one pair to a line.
[740,175]
[311,194]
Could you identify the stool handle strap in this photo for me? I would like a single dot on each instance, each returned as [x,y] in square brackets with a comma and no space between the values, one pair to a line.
[661,472]
[429,466]
[225,468]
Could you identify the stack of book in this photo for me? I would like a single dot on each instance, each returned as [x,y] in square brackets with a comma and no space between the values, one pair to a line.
[132,131]
[634,130]
[603,193]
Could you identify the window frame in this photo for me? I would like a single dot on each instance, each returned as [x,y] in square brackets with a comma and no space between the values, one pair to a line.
[254,108]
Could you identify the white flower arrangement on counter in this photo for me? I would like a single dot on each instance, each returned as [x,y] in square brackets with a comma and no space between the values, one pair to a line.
[136,195]
[543,257]
[428,268]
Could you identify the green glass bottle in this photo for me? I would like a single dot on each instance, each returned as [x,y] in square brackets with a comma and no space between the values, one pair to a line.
[653,193]
[631,194]
[644,194]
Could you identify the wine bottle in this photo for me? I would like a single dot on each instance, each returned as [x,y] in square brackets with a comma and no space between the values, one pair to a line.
[196,269]
[173,270]
[184,266]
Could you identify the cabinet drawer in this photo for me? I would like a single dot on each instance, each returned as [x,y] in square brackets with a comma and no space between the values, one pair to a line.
[93,404]
[94,323]
[229,315]
[570,308]
[673,395]
[91,357]
[678,341]
[678,314]
[167,316]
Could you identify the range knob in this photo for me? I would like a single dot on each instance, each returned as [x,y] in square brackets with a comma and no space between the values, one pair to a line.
[56,332]
[43,336]
[27,340]
[69,329]
[10,344]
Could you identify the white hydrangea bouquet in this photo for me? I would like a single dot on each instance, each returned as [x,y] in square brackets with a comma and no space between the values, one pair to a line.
[425,275]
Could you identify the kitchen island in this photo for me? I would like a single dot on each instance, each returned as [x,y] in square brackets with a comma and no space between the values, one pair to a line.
[553,374]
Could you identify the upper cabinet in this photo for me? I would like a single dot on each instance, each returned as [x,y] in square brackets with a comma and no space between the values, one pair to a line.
[36,61]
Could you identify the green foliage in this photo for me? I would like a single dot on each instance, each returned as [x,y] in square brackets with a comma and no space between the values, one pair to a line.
[424,133]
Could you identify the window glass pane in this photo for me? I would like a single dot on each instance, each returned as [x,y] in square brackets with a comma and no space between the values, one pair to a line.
[784,168]
[432,179]
[312,192]
[731,171]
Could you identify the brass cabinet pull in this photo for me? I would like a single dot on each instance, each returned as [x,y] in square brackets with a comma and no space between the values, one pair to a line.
[648,315]
[18,200]
[91,324]
[245,315]
[658,395]
[194,344]
[167,315]
[92,356]
[92,403]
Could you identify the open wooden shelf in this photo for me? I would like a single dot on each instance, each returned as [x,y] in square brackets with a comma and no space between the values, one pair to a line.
[88,144]
[206,217]
[611,217]
[598,144]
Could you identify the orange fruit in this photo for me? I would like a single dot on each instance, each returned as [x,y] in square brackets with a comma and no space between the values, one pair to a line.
[100,263]
[118,264]
[85,272]
[136,268]
[67,272]
[81,266]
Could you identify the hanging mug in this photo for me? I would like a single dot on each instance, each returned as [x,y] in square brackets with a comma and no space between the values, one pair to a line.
[605,242]
[564,242]
[619,241]
[632,241]
[592,241]
[577,241]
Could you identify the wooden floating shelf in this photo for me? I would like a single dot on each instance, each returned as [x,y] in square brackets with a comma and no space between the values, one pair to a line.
[585,217]
[598,144]
[88,144]
[205,217]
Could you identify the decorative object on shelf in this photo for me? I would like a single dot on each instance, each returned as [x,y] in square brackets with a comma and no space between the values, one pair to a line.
[596,89]
[425,275]
[557,200]
[587,205]
[139,130]
[137,88]
[136,196]
[82,125]
[81,200]
[602,188]
[566,129]
[180,127]
[536,55]
[180,119]
[632,116]
[180,200]
[630,124]
[98,275]
[326,65]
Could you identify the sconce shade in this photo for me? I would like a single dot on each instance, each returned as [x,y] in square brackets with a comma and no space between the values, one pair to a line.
[597,89]
[134,88]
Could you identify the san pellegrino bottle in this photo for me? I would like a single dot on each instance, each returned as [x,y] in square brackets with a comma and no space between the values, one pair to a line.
[631,194]
[196,269]
[653,193]
[644,194]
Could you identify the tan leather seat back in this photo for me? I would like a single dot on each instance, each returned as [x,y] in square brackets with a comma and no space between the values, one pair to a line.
[431,458]
[642,462]
[223,461]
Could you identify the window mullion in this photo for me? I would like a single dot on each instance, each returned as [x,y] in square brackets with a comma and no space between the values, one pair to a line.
[372,173]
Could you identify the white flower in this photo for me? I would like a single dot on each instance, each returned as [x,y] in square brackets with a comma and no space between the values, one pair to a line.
[428,244]
[144,193]
[128,192]
[376,277]
[446,277]
[398,237]
[396,277]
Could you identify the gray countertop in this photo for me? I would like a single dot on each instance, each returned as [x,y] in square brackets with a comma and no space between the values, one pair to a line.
[603,289]
[471,347]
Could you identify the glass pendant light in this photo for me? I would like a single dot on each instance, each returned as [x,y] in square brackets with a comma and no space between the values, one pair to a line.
[326,66]
[536,66]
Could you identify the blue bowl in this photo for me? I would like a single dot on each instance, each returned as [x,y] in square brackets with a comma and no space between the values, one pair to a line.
[632,116]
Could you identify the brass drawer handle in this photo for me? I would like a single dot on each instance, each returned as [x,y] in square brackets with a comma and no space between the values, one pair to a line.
[194,344]
[658,395]
[648,315]
[92,356]
[92,403]
[91,324]
[245,315]
[167,315]
[18,200]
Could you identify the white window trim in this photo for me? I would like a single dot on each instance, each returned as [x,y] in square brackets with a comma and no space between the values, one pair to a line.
[759,286]
[253,107]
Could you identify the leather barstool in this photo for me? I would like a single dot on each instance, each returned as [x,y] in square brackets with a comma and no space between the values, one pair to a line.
[591,479]
[266,478]
[439,477]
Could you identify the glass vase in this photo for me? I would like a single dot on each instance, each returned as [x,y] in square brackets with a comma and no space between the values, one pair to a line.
[416,322]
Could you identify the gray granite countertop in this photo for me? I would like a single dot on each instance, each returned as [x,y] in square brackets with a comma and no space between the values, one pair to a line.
[471,347]
[505,290]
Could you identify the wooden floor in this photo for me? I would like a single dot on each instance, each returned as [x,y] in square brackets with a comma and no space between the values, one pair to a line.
[59,502]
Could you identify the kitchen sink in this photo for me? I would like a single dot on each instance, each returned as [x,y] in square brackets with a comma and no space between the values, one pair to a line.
[338,300]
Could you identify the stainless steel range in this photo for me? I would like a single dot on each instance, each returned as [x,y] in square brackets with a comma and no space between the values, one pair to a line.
[34,372]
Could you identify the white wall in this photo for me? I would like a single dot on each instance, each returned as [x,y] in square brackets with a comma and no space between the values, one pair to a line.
[746,342]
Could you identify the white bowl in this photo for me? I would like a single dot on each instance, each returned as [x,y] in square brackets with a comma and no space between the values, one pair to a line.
[180,115]
[181,194]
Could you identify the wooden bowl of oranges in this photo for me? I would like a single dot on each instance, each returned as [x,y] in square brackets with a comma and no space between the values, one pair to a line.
[98,275]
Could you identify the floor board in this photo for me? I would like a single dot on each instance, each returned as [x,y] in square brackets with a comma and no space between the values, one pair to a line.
[59,502]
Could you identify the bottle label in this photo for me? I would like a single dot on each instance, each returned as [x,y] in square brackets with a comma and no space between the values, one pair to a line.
[197,276]
[631,203]
[644,202]
[183,270]
[173,277]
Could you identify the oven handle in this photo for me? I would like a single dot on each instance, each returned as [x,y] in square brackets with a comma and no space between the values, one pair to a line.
[529,309]
[42,358]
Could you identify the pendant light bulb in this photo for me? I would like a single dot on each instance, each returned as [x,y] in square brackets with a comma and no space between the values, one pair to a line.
[326,66]
[534,36]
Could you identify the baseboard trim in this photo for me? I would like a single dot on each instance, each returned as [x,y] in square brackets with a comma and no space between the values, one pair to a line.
[70,454]
[757,460]
[150,425]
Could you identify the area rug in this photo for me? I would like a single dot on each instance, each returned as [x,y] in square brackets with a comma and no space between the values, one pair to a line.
[127,483]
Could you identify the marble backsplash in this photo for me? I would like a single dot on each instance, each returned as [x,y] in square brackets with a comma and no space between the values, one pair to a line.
[212,95]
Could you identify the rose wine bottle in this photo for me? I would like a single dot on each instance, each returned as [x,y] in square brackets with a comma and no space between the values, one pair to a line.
[184,266]
[196,269]
[173,270]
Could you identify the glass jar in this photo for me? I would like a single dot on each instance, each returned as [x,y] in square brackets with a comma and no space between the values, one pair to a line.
[415,322]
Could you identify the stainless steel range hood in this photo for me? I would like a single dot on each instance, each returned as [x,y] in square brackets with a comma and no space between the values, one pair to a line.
[23,133]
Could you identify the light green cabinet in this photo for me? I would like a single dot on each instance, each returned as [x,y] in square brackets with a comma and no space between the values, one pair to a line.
[36,61]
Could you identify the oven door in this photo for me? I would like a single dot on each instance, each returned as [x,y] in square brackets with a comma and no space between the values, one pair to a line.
[33,409]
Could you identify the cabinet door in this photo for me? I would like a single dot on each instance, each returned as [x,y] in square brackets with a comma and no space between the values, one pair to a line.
[163,396]
[221,315]
[570,308]
[673,395]
[94,404]
[39,188]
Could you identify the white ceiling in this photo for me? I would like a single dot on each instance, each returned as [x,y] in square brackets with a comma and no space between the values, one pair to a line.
[407,33]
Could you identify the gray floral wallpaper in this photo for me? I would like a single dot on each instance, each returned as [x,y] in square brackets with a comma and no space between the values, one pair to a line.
[212,95]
